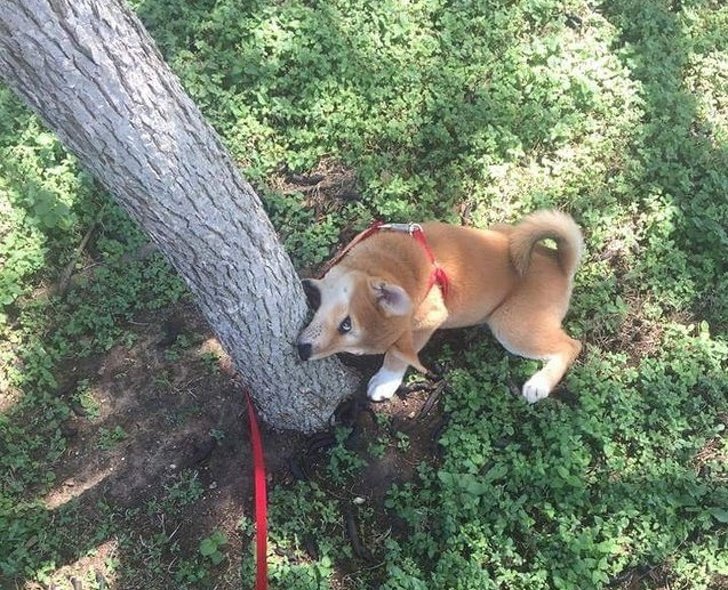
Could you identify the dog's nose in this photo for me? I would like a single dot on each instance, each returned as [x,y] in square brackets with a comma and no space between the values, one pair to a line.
[304,350]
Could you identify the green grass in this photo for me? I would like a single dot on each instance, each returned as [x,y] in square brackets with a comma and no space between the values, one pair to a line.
[616,112]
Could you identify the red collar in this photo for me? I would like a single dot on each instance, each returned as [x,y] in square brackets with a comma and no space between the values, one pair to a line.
[438,276]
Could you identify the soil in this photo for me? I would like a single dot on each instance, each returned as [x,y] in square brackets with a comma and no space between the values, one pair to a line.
[169,403]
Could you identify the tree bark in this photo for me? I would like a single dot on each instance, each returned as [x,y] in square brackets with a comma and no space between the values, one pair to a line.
[91,71]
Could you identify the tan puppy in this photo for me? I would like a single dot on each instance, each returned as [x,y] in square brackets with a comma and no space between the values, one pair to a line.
[382,297]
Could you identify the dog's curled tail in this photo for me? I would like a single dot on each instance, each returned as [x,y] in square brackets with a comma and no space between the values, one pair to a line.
[547,224]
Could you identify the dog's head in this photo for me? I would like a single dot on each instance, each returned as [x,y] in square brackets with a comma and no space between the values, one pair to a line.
[359,314]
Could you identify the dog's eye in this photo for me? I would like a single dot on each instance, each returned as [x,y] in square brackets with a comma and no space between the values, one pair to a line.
[345,325]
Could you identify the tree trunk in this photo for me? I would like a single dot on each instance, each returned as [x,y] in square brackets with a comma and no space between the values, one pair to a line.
[91,71]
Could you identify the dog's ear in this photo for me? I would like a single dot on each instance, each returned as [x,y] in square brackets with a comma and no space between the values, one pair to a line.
[404,350]
[313,293]
[391,298]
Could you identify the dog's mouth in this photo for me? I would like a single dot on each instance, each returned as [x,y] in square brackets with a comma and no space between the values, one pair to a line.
[307,352]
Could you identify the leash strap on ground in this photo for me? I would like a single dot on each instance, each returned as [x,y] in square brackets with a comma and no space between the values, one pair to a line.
[261,502]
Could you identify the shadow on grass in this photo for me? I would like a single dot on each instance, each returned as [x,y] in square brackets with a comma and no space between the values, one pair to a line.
[678,159]
[135,448]
[414,117]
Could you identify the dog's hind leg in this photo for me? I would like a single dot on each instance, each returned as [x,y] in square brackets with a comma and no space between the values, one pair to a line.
[549,344]
[556,364]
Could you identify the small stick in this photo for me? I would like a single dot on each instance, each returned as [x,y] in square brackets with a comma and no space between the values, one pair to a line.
[65,279]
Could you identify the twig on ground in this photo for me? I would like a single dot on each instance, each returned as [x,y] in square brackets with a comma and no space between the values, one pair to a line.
[65,279]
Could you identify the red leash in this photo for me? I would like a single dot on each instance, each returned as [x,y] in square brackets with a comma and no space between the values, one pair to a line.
[437,277]
[372,229]
[261,504]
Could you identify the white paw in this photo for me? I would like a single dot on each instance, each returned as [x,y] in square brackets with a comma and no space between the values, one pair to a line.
[383,385]
[536,388]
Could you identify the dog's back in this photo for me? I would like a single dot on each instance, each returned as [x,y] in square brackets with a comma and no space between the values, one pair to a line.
[488,267]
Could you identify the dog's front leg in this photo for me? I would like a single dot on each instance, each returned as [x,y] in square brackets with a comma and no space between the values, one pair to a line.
[401,355]
[387,380]
[404,352]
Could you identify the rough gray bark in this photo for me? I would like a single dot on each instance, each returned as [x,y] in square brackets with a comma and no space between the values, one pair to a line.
[91,71]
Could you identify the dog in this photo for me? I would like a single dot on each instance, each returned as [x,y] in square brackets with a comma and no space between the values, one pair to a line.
[394,285]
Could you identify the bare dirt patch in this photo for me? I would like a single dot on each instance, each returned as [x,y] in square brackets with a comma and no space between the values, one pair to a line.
[326,188]
[144,416]
[165,407]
